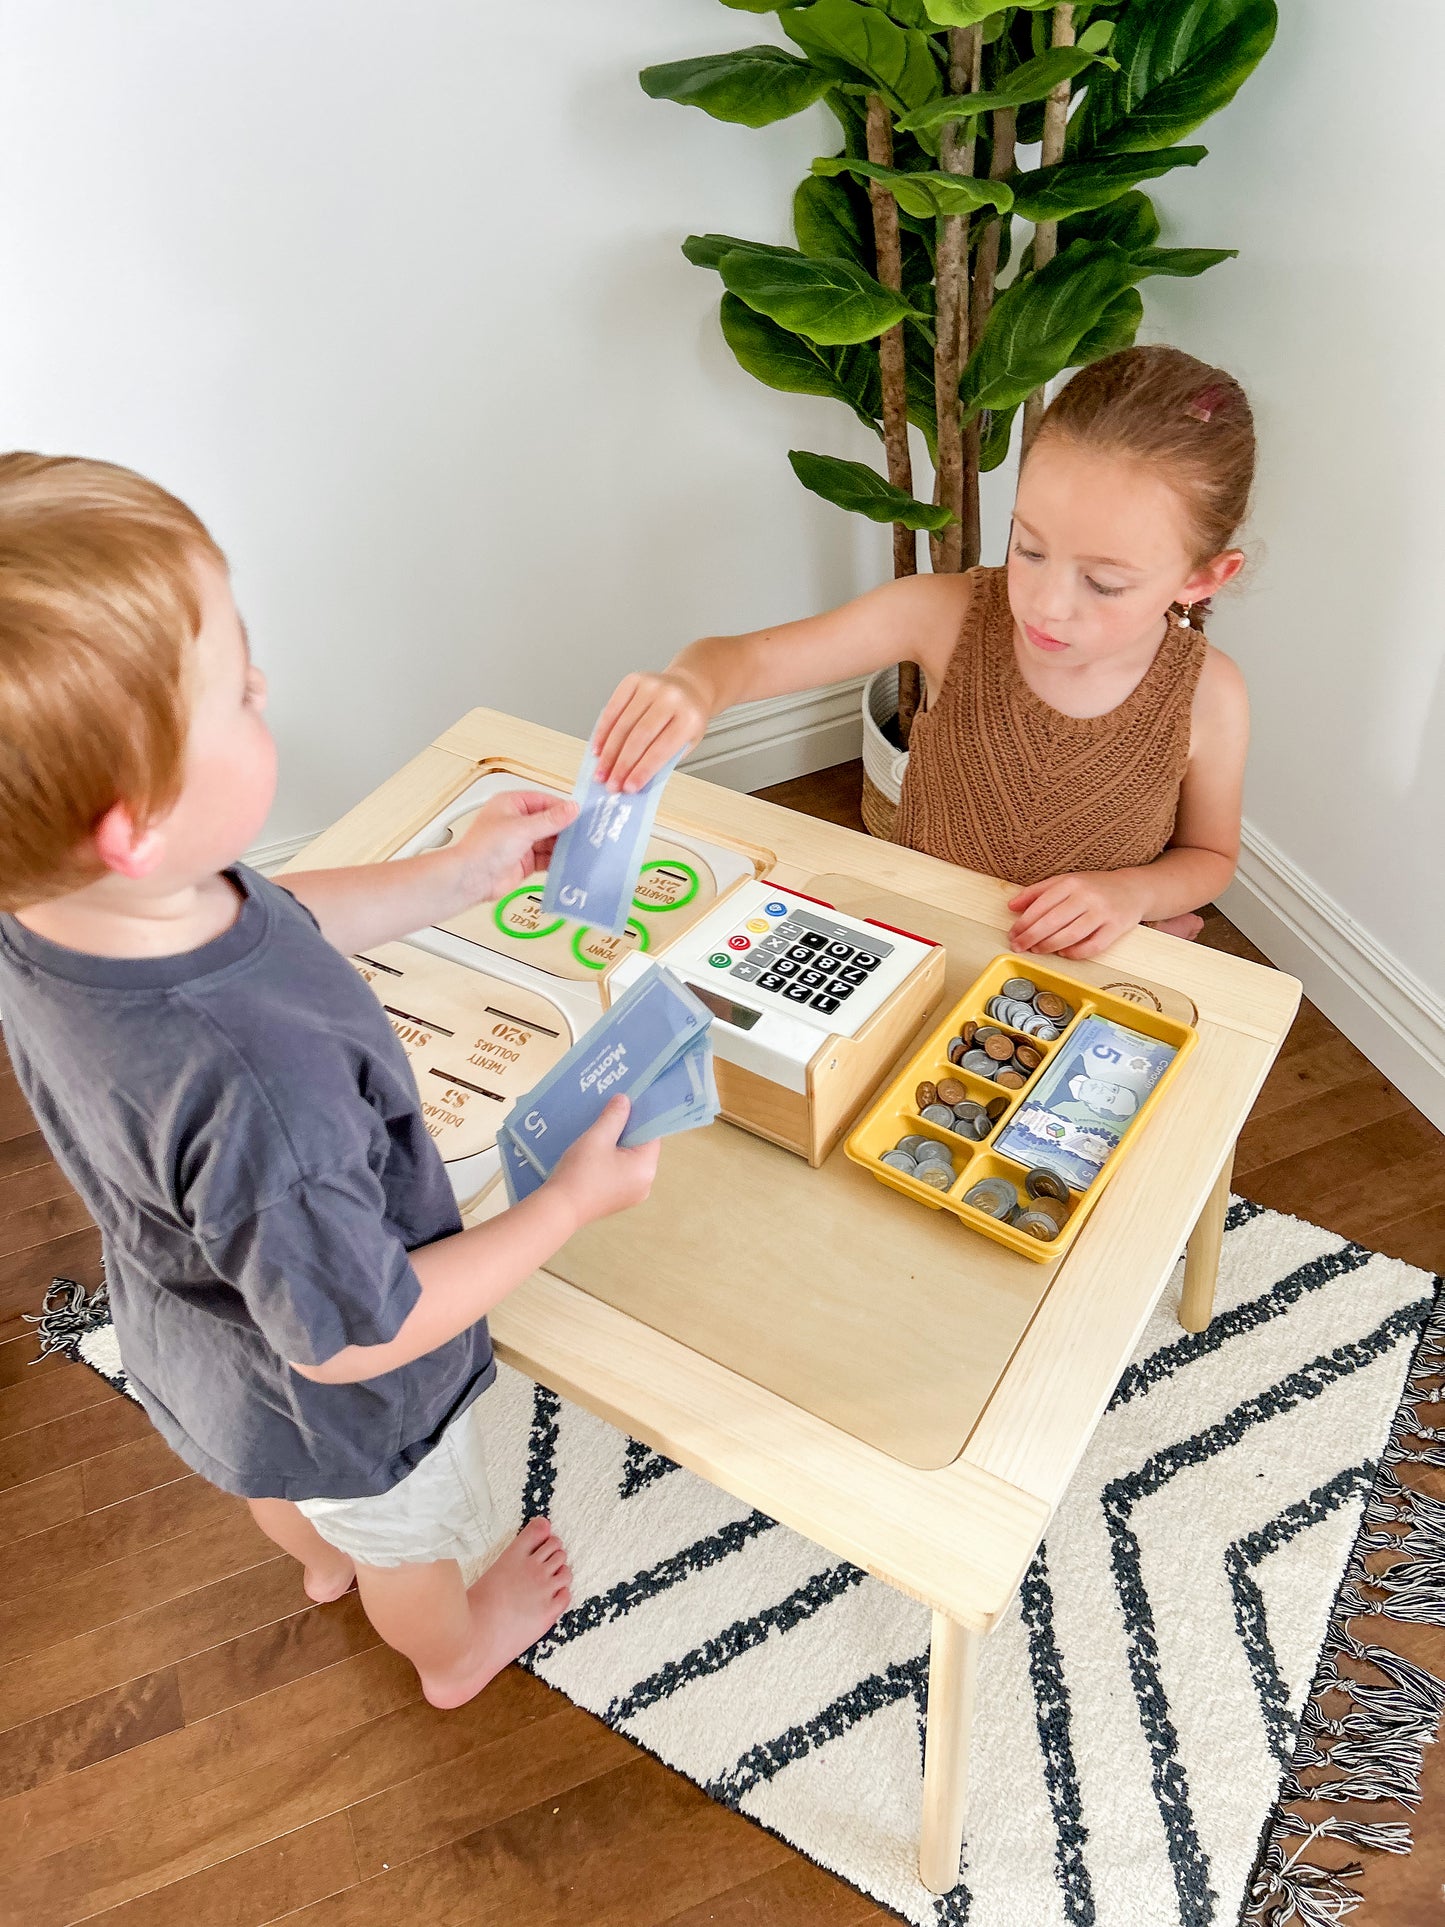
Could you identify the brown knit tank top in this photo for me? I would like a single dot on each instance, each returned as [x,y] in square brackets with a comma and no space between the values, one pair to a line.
[999,781]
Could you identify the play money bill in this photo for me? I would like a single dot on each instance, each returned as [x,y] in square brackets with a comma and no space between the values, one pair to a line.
[598,857]
[649,1025]
[519,1174]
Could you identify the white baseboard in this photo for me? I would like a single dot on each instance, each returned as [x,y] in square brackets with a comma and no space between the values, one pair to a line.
[268,857]
[756,744]
[1383,1008]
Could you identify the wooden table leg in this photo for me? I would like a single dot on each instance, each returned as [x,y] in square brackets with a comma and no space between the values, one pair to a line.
[952,1669]
[1201,1256]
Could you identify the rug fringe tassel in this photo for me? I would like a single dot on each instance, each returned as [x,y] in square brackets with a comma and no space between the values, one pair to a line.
[1384,1836]
[1289,1889]
[66,1314]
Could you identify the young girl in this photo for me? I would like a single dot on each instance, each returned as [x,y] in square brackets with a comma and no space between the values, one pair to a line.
[1080,736]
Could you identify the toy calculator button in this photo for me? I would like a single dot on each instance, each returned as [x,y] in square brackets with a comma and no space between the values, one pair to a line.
[800,953]
[798,993]
[810,940]
[720,960]
[814,979]
[785,966]
[825,1003]
[864,962]
[759,926]
[776,909]
[773,946]
[770,980]
[746,972]
[740,943]
[840,990]
[841,953]
[851,974]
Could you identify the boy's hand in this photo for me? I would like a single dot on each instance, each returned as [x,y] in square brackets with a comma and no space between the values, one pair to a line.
[598,1176]
[510,838]
[649,720]
[1077,915]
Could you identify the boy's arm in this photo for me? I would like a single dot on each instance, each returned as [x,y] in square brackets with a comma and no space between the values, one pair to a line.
[371,903]
[464,1276]
[652,718]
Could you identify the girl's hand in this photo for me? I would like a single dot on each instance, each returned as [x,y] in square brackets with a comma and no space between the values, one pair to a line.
[597,1175]
[1077,915]
[509,839]
[650,719]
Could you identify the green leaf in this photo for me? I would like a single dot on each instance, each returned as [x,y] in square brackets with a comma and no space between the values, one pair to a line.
[753,86]
[707,250]
[763,6]
[831,302]
[1181,261]
[997,427]
[1093,39]
[781,360]
[1034,80]
[925,195]
[1130,222]
[1115,329]
[1069,187]
[851,42]
[1038,322]
[858,488]
[967,13]
[828,224]
[1179,62]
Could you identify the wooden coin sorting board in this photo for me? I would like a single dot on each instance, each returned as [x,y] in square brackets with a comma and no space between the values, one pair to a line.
[920,1302]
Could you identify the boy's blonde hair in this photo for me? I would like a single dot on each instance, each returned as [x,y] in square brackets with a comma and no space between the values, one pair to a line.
[99,606]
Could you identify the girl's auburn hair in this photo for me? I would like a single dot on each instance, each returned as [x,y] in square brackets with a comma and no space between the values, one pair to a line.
[1180,415]
[100,605]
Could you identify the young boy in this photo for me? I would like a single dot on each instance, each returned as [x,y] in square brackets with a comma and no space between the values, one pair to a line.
[297,1305]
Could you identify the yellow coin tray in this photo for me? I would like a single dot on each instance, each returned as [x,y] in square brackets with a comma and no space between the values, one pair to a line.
[895,1114]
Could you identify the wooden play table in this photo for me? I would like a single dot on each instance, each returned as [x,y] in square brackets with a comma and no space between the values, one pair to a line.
[919,1415]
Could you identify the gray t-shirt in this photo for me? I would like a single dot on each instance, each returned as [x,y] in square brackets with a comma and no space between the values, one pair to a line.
[244,1127]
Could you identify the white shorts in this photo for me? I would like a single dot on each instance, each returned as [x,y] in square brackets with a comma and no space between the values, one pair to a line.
[441,1510]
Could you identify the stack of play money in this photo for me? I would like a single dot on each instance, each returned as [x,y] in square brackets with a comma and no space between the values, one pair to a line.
[1042,1210]
[598,857]
[1037,1013]
[985,1051]
[652,1045]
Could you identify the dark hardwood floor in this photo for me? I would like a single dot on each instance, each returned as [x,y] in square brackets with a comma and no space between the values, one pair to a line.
[185,1742]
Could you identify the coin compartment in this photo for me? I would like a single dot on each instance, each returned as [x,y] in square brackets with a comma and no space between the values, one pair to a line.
[894,1113]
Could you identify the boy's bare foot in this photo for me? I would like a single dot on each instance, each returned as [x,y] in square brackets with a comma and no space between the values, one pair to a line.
[513,1603]
[323,1583]
[1188,926]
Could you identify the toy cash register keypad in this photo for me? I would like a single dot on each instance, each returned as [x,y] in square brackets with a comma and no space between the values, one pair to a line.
[800,957]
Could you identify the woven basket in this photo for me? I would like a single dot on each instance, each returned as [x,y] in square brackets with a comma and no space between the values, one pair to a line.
[883,765]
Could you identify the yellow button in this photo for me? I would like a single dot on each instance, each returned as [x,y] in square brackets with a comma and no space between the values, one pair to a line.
[759,925]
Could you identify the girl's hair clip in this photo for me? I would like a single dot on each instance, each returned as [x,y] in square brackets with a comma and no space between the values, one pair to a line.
[1205,402]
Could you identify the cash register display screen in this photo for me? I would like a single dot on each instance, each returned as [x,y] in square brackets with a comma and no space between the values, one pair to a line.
[738,1015]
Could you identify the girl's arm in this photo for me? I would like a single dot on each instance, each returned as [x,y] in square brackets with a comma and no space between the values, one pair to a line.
[1082,914]
[654,717]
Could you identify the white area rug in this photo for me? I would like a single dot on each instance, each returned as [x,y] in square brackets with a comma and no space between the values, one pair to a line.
[1138,1706]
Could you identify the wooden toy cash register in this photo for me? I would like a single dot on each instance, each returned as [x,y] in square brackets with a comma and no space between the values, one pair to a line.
[812,1004]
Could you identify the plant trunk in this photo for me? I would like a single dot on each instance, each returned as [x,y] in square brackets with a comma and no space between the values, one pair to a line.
[894,381]
[957,477]
[1046,234]
[985,278]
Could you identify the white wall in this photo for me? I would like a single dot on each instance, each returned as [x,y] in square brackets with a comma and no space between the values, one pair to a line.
[392,294]
[1327,174]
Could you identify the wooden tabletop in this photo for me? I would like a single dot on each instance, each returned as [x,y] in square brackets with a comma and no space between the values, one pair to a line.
[956,1535]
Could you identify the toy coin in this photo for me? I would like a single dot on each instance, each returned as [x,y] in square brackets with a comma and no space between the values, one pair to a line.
[1020,989]
[1028,1057]
[957,1051]
[938,1114]
[1011,1080]
[926,1094]
[1052,1208]
[1000,1048]
[1049,1004]
[966,1106]
[1044,1183]
[909,1145]
[996,1196]
[968,1031]
[950,1091]
[996,1108]
[932,1152]
[898,1161]
[1036,1224]
[938,1177]
[979,1062]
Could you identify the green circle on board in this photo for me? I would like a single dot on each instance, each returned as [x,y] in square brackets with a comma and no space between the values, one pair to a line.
[720,960]
[644,942]
[661,909]
[522,936]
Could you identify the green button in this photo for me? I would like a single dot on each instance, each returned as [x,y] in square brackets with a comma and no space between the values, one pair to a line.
[720,960]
